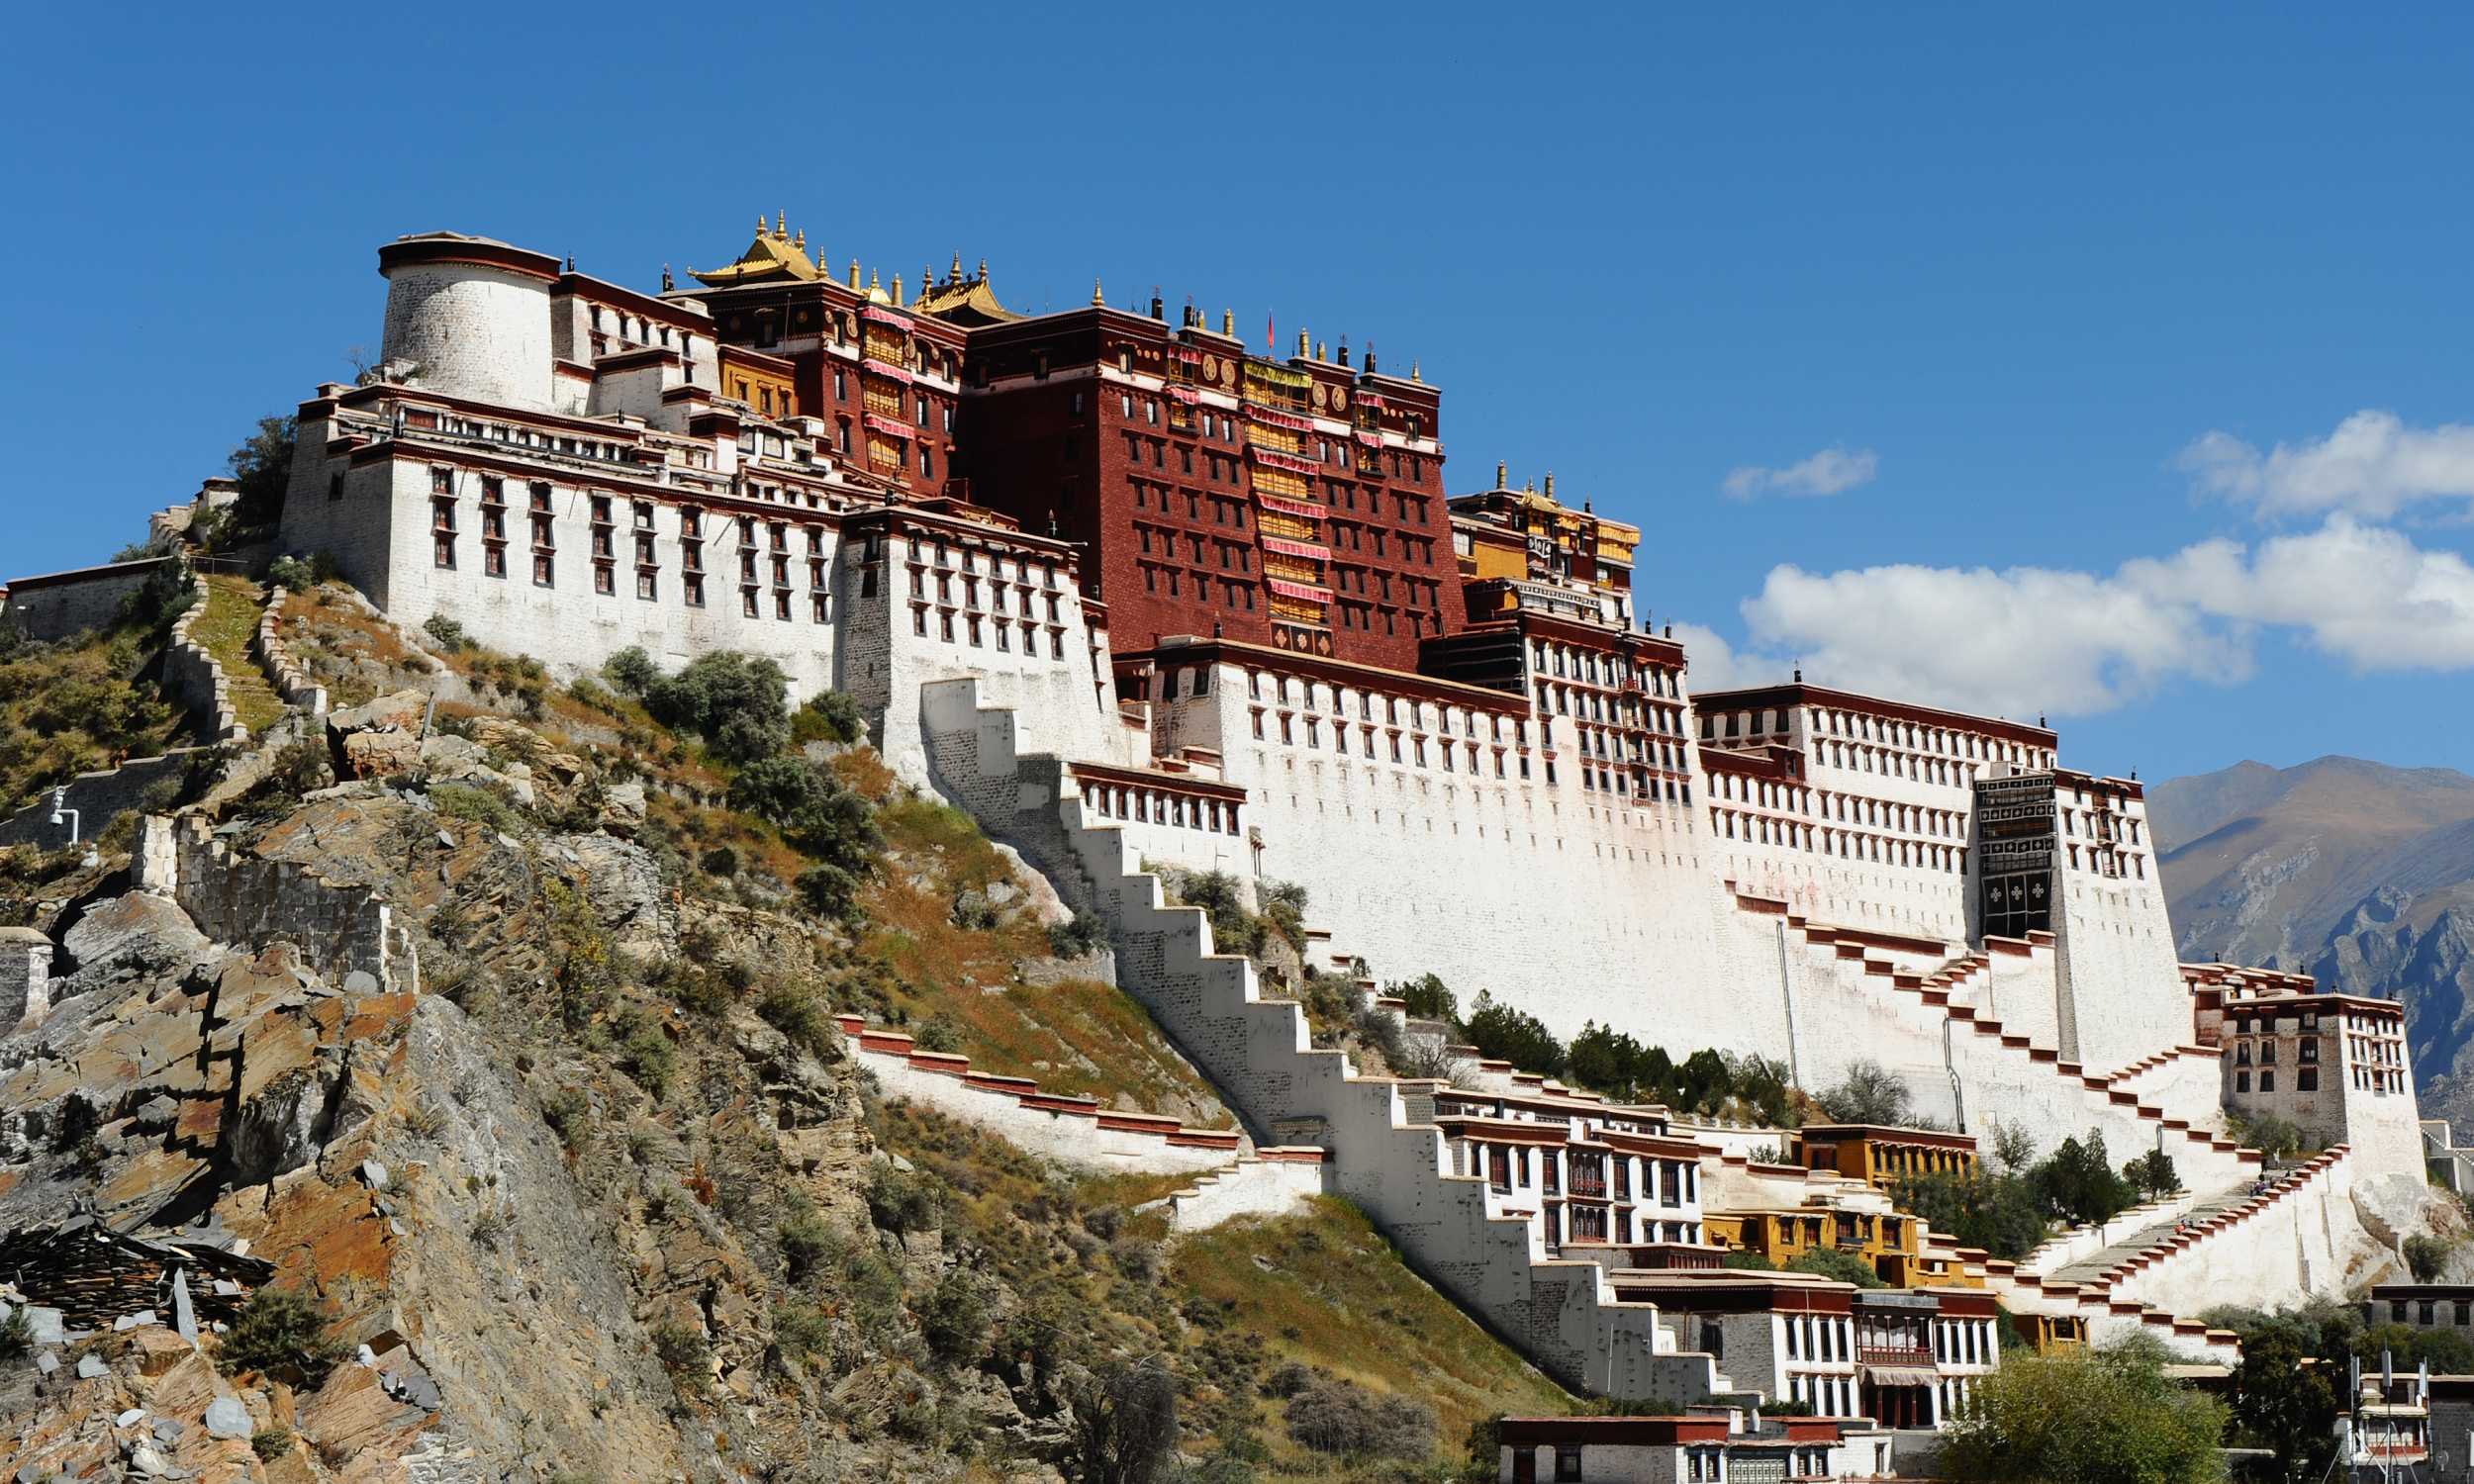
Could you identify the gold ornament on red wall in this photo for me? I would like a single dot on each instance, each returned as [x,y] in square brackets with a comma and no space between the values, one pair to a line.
[1210,368]
[1321,397]
[1340,399]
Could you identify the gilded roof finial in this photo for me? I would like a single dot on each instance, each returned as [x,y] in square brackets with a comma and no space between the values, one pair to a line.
[854,275]
[781,222]
[983,270]
[1501,468]
[1096,300]
[799,239]
[897,289]
[1228,322]
[760,223]
[926,277]
[957,265]
[666,283]
[1319,348]
[1413,376]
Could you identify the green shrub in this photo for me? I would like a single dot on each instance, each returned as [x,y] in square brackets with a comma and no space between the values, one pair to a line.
[1079,938]
[815,810]
[904,1200]
[631,670]
[720,861]
[567,1111]
[2426,1258]
[1426,997]
[646,1054]
[476,805]
[829,716]
[829,891]
[953,1317]
[448,633]
[291,574]
[735,702]
[17,1335]
[282,1330]
[270,1444]
[1846,1268]
[940,1032]
[800,1013]
[1332,1416]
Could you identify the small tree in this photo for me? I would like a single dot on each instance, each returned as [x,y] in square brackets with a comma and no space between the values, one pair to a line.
[2086,1418]
[1868,1093]
[2426,1258]
[1126,1424]
[2152,1175]
[282,1330]
[1426,997]
[2284,1405]
[1830,1263]
[2078,1185]
[1504,1034]
[262,468]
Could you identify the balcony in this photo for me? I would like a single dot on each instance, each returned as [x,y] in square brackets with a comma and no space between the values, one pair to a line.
[1894,1354]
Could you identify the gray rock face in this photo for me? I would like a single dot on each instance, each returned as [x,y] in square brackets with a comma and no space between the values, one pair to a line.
[227,1417]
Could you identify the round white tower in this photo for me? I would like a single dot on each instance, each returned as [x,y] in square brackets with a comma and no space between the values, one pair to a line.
[469,317]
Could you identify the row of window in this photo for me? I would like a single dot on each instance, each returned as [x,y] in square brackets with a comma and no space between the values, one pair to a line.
[2305,1080]
[978,632]
[1761,829]
[1159,806]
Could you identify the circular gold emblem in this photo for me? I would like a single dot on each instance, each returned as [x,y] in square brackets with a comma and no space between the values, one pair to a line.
[1210,368]
[1320,396]
[1340,399]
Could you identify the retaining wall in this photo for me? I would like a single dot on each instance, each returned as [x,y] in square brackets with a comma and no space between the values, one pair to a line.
[1072,1130]
[341,930]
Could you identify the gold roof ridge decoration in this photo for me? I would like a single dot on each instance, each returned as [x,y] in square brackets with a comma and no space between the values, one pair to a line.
[772,257]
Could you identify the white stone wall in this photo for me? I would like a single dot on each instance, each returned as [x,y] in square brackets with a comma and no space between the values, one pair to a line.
[2121,981]
[1265,1187]
[25,978]
[1077,1137]
[471,331]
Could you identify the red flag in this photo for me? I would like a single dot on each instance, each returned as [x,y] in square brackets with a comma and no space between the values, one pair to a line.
[1271,342]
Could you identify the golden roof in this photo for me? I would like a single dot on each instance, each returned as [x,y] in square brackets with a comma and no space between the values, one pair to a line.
[773,257]
[963,301]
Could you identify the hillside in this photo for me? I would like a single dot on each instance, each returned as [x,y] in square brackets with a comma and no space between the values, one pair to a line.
[605,1195]
[2359,874]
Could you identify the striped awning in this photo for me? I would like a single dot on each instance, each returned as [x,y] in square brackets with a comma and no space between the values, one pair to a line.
[1291,506]
[1296,549]
[1299,591]
[886,369]
[879,422]
[884,316]
[1277,418]
[1278,460]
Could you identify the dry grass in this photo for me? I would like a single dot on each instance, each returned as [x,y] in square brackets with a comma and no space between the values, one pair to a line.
[224,629]
[1336,1295]
[1077,1037]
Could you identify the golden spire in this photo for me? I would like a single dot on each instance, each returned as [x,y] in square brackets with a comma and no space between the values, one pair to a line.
[1301,344]
[760,223]
[1097,301]
[1501,469]
[1319,348]
[800,239]
[957,266]
[1413,376]
[897,289]
[781,222]
[1228,322]
[983,270]
[854,275]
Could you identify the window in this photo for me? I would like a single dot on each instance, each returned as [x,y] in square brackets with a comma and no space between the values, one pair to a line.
[2267,1082]
[1567,1463]
[2307,1079]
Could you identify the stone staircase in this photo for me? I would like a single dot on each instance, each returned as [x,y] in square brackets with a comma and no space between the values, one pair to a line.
[2046,1093]
[1563,1314]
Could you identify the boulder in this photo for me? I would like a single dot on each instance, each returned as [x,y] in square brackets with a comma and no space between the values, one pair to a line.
[623,807]
[373,755]
[381,738]
[123,938]
[1040,897]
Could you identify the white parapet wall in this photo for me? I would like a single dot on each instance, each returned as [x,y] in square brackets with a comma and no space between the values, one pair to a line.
[1074,1130]
[1275,1181]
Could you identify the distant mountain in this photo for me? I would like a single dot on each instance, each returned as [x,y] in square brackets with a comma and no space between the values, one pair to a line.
[2356,872]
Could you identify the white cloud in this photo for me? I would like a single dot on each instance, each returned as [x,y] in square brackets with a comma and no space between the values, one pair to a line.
[1831,471]
[2028,640]
[2372,466]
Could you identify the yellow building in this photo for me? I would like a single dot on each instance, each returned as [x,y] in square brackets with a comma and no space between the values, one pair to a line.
[1886,1239]
[1528,551]
[764,383]
[2049,1333]
[1881,1157]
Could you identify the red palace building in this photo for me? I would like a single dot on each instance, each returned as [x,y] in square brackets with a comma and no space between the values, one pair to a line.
[1296,503]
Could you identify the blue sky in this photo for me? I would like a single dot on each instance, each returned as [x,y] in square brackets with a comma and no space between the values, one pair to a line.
[2134,341]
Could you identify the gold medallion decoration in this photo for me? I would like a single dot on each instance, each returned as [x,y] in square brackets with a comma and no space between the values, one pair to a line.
[1340,399]
[1320,396]
[1210,368]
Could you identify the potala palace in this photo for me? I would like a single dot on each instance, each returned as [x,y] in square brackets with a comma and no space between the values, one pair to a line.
[1138,597]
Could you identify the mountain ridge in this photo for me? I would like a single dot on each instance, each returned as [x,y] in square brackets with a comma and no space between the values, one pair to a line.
[2355,871]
